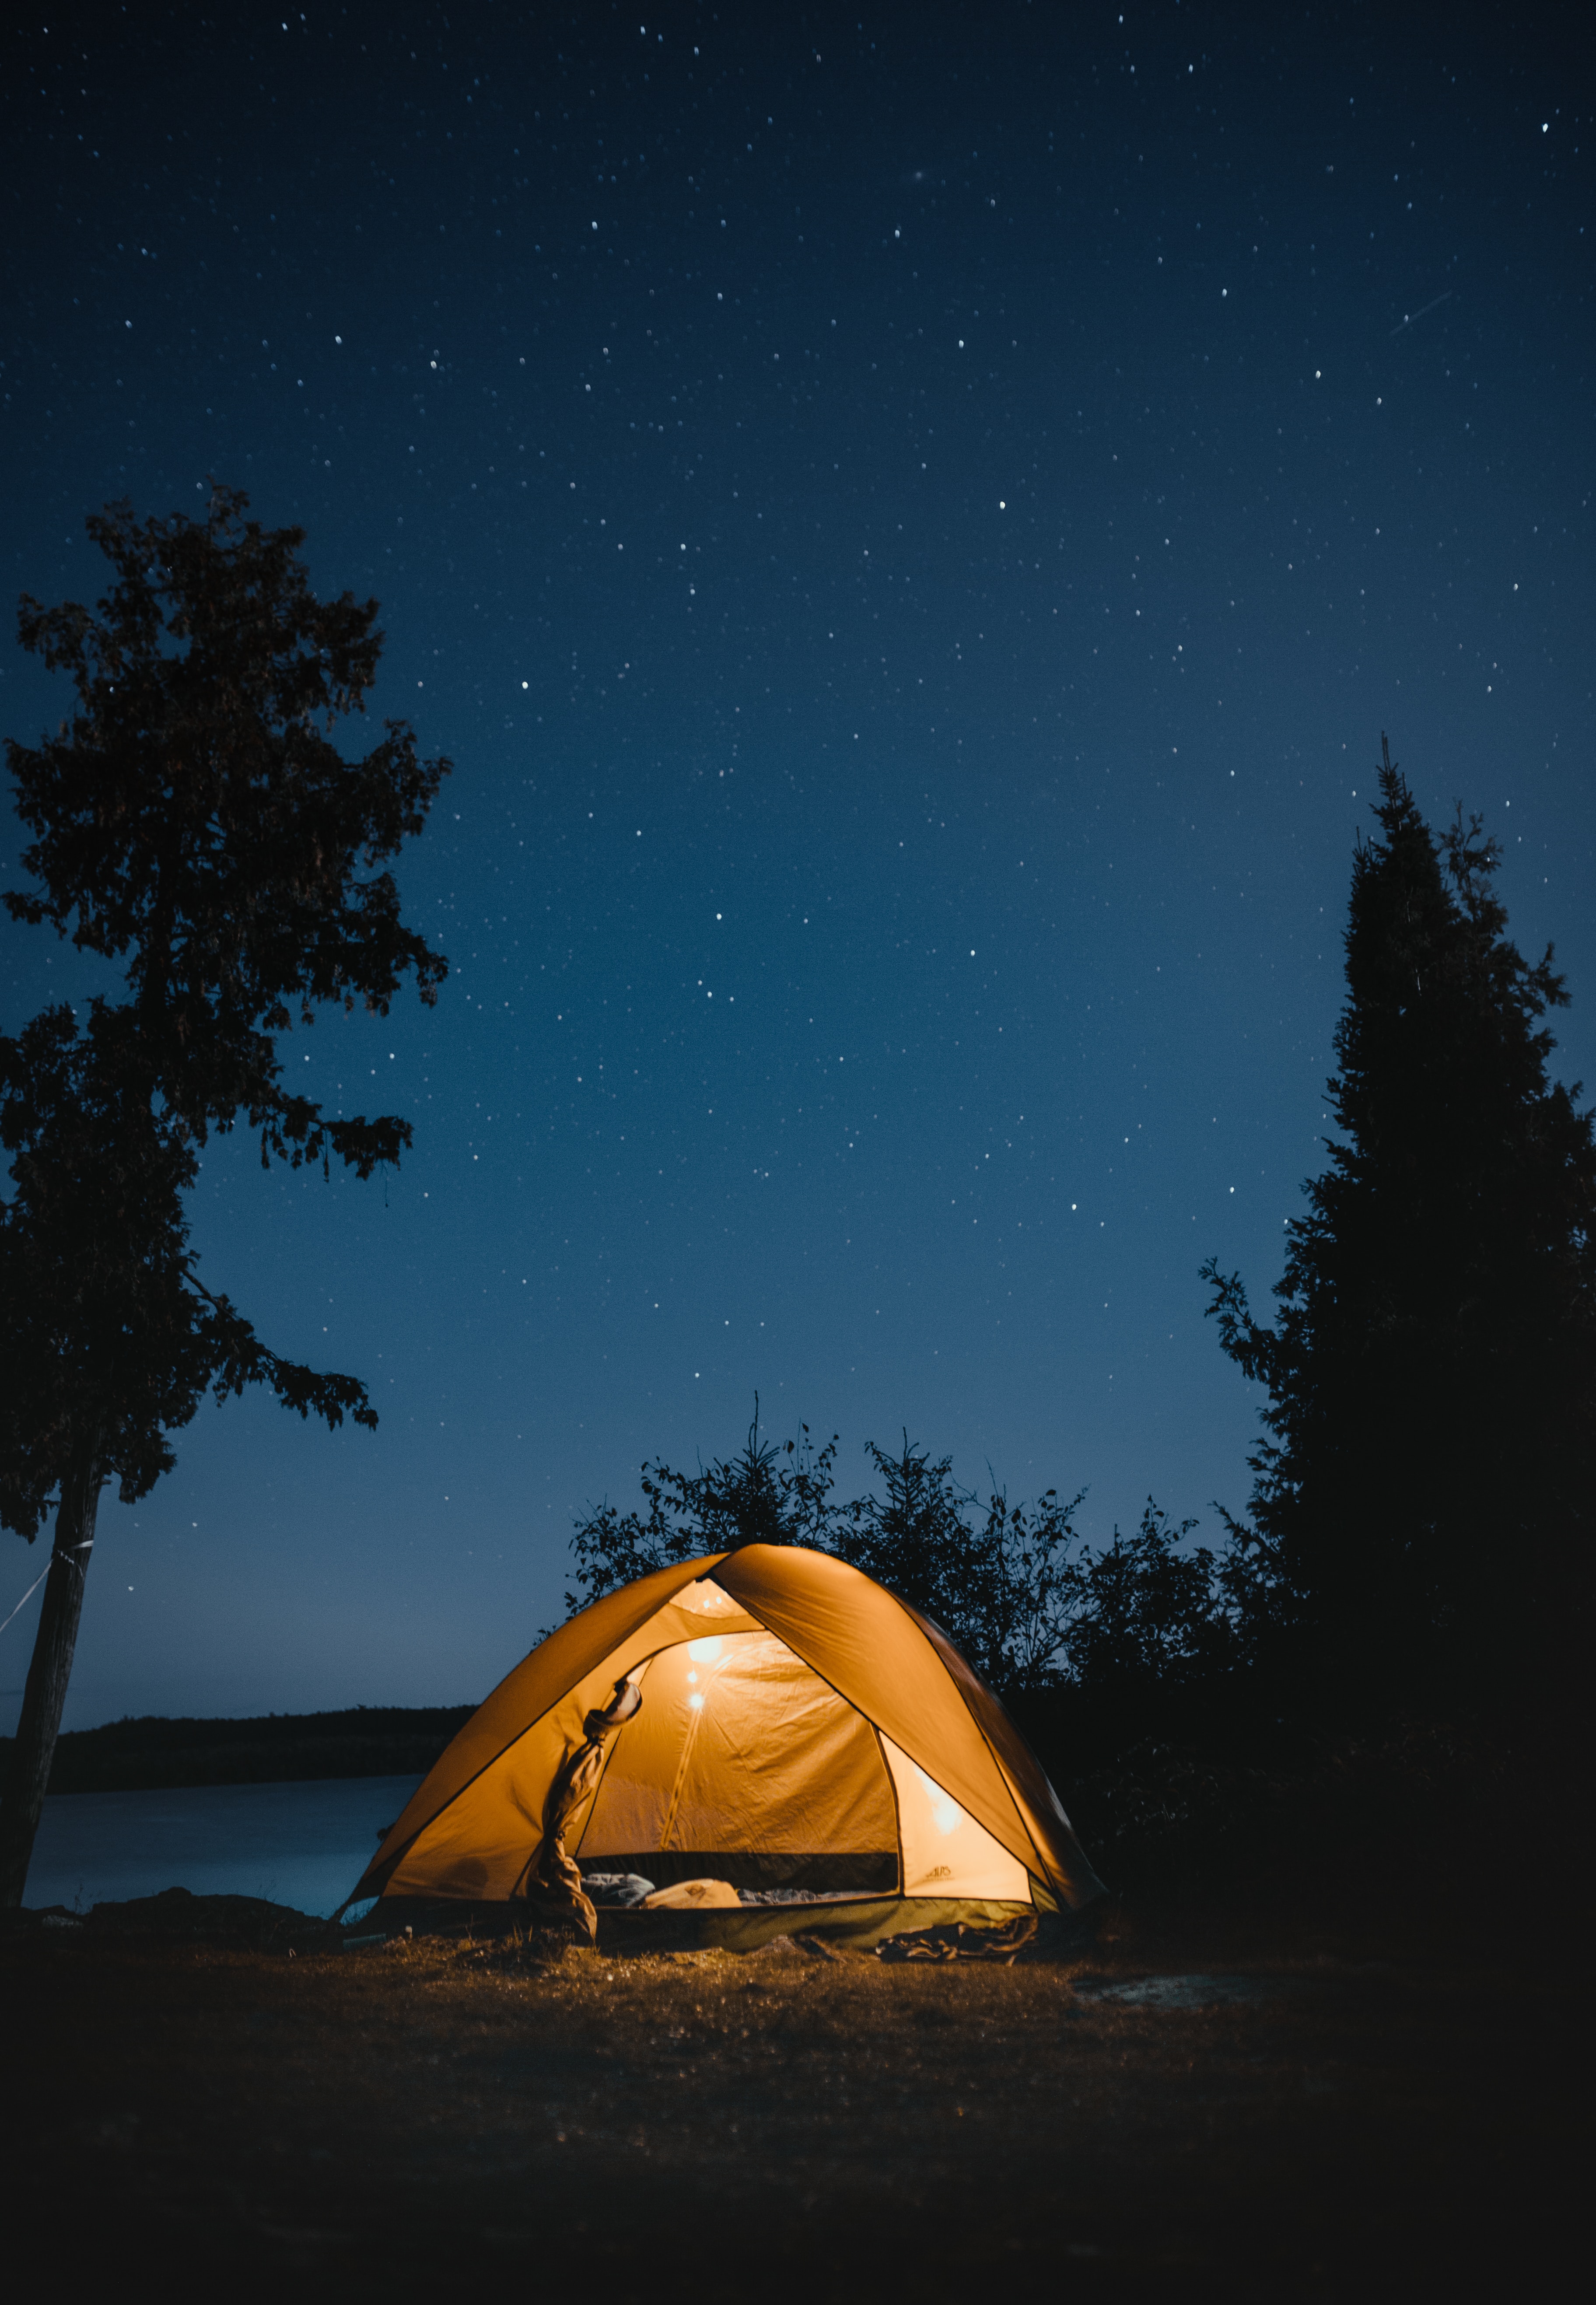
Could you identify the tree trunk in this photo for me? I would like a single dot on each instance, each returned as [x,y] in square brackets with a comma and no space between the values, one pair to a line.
[49,1673]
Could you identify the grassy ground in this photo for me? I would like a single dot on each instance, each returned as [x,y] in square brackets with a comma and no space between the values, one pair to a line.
[403,2120]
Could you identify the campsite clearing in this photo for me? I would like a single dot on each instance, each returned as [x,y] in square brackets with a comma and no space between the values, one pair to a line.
[413,2119]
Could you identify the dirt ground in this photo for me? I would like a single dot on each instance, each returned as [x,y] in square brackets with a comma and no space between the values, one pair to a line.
[1336,2119]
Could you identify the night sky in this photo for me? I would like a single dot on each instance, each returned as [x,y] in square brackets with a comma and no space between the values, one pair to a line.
[911,524]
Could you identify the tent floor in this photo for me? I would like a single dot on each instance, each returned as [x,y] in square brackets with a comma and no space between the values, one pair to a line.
[852,1923]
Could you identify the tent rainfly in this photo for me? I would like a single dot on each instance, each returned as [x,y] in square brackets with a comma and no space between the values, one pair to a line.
[729,1732]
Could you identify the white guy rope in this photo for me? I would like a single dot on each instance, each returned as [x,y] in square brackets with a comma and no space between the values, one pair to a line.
[39,1579]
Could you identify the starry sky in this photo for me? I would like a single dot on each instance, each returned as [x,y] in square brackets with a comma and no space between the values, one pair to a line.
[911,524]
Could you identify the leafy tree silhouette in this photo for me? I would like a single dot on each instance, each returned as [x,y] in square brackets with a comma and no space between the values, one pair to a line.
[1031,1606]
[1147,1618]
[763,1496]
[1001,1581]
[194,824]
[1421,1509]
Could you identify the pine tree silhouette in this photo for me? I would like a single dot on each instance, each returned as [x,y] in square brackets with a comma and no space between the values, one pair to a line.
[1423,1505]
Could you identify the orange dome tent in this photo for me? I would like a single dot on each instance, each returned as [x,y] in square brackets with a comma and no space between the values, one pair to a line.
[800,1728]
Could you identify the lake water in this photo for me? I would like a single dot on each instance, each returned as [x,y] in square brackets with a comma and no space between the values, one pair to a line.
[304,1845]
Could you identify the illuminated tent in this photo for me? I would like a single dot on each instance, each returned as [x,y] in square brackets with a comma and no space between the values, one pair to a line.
[800,1728]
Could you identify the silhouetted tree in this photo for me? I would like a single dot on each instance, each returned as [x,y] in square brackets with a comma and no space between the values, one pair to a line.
[194,824]
[1031,1606]
[993,1585]
[1423,1502]
[997,1580]
[915,1538]
[763,1496]
[1147,1619]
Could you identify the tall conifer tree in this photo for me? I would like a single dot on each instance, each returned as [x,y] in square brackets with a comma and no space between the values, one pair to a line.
[1422,1504]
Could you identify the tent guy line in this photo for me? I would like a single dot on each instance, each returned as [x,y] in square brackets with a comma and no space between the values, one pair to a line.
[62,1555]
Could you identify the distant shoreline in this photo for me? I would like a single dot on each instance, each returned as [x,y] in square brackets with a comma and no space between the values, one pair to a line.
[154,1752]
